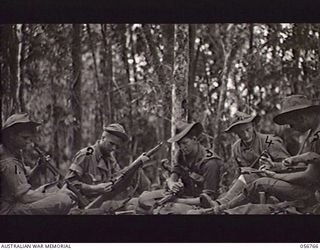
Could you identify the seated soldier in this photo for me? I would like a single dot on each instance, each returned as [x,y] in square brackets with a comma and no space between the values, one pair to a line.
[17,197]
[303,116]
[196,171]
[93,168]
[251,152]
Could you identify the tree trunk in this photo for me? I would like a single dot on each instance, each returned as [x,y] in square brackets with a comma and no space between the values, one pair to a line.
[20,59]
[75,89]
[229,52]
[55,125]
[124,52]
[251,69]
[98,90]
[2,67]
[168,61]
[180,79]
[108,72]
[192,70]
[10,52]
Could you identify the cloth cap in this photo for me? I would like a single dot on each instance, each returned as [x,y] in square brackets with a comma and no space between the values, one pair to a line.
[183,129]
[241,118]
[117,130]
[292,104]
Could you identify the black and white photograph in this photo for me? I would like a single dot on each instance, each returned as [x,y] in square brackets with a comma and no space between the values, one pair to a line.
[160,119]
[150,119]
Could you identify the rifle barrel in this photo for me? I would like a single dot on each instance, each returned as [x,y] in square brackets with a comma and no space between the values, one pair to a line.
[127,172]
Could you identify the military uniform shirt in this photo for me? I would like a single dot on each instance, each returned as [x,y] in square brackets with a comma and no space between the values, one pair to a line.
[312,144]
[91,167]
[245,156]
[201,175]
[13,182]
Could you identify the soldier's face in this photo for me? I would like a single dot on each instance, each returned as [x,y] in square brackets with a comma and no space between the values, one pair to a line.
[109,143]
[22,139]
[187,145]
[245,132]
[108,146]
[298,123]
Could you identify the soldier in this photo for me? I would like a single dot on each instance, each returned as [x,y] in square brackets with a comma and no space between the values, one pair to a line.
[93,167]
[196,171]
[17,197]
[303,116]
[251,152]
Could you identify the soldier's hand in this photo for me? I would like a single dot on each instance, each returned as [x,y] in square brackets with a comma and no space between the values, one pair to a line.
[288,162]
[41,189]
[67,191]
[176,186]
[266,161]
[269,173]
[144,158]
[104,187]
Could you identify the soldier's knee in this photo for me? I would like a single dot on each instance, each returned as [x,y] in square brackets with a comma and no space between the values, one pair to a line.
[212,167]
[64,203]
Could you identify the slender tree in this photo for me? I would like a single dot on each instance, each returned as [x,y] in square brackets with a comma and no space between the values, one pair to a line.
[75,88]
[180,78]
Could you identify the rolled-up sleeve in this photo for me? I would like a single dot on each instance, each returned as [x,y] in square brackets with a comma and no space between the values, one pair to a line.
[78,165]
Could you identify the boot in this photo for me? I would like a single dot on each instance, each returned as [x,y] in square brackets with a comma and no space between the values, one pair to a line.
[233,192]
[239,200]
[206,201]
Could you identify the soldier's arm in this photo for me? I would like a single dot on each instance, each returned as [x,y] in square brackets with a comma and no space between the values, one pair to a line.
[306,177]
[87,189]
[31,196]
[306,158]
[174,183]
[311,159]
[14,175]
[277,152]
[95,188]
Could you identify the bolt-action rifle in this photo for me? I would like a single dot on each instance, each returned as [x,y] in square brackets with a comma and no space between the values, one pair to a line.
[118,184]
[82,200]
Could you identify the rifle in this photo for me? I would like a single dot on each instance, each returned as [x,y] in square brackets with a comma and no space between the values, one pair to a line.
[287,170]
[117,185]
[264,152]
[82,200]
[168,197]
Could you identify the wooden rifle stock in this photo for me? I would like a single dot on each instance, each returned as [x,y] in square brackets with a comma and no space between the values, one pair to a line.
[82,200]
[117,185]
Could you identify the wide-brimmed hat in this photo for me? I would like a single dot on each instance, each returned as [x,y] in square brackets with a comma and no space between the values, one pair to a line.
[241,118]
[292,104]
[117,130]
[183,128]
[19,119]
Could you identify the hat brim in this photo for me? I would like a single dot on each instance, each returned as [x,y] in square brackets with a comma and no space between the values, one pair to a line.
[281,118]
[26,124]
[255,118]
[197,126]
[122,136]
